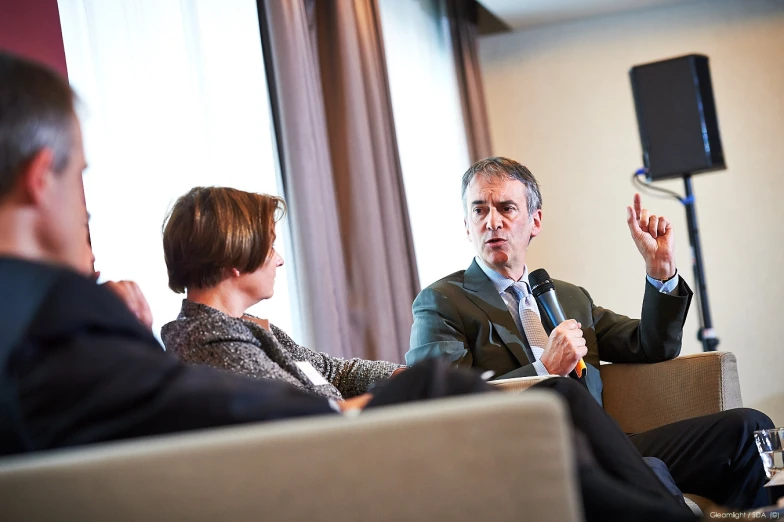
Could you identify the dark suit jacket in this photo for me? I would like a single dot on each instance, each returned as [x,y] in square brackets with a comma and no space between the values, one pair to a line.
[462,318]
[76,367]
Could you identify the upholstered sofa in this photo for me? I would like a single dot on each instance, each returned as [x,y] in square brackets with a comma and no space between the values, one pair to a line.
[500,457]
[493,457]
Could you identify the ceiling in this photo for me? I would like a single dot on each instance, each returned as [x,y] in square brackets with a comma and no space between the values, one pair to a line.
[520,14]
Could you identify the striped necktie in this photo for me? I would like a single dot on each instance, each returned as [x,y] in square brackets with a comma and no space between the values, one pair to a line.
[532,323]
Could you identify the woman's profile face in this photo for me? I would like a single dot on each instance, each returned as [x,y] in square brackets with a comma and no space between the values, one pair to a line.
[260,284]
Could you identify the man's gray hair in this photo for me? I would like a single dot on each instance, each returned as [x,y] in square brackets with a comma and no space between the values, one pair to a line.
[498,167]
[36,113]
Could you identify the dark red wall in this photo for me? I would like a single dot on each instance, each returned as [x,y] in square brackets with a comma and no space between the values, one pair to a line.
[31,28]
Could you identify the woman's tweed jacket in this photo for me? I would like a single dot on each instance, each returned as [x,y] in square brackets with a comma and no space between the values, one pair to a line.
[204,335]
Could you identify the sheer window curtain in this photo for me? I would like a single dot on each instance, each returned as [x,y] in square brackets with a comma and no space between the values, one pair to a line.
[173,95]
[292,64]
[463,19]
[341,169]
[430,129]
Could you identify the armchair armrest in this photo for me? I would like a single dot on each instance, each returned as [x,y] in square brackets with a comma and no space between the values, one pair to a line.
[641,397]
[493,456]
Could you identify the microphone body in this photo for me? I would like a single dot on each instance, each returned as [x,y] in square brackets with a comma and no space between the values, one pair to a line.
[548,300]
[543,291]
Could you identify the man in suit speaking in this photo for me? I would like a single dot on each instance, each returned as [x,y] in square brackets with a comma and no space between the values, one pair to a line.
[486,318]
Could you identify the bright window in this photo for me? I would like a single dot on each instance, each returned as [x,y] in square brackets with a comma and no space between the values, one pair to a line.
[430,132]
[174,96]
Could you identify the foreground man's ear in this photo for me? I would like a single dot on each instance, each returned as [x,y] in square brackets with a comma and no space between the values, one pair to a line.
[36,178]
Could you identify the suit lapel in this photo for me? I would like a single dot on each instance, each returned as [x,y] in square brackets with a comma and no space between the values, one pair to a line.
[482,293]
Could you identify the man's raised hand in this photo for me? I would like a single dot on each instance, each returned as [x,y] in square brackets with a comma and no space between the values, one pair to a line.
[654,238]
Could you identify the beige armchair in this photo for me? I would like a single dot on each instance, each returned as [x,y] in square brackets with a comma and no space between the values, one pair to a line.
[495,456]
[641,397]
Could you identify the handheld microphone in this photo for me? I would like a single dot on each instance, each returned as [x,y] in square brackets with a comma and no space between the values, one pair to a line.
[543,291]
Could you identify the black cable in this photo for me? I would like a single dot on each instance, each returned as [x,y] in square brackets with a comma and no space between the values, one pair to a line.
[650,190]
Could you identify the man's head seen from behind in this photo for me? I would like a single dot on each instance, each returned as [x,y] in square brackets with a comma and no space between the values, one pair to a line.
[42,207]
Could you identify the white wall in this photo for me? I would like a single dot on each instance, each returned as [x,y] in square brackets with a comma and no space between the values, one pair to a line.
[560,102]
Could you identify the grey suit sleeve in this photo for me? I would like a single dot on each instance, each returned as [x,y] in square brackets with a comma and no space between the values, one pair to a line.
[89,372]
[437,331]
[351,377]
[655,337]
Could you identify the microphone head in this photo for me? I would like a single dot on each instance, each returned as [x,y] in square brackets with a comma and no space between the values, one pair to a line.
[540,282]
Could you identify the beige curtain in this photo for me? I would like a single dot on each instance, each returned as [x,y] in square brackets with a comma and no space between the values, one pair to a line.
[348,210]
[298,113]
[463,16]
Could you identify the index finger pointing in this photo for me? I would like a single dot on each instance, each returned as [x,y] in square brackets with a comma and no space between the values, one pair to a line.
[637,204]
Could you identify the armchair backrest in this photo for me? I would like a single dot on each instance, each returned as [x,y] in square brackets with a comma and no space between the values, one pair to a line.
[641,397]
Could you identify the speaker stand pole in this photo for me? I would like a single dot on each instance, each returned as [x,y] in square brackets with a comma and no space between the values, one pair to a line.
[706,333]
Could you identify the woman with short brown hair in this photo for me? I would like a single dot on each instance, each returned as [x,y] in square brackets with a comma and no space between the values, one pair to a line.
[218,246]
[213,229]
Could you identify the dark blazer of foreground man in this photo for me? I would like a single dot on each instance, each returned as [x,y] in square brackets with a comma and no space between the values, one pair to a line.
[467,318]
[79,368]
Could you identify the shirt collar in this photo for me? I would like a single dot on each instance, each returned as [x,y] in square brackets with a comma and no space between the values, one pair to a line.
[501,283]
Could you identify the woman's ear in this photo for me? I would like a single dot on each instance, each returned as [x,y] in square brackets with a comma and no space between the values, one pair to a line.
[235,272]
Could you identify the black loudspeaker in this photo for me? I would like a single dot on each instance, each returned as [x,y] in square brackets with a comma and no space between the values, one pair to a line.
[677,117]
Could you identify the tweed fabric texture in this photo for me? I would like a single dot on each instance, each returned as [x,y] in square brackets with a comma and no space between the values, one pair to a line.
[204,335]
